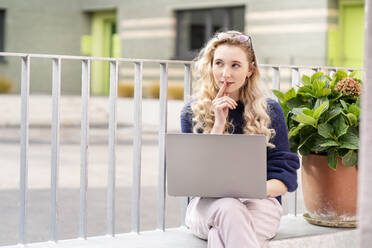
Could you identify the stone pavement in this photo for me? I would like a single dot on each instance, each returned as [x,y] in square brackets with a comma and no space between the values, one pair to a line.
[38,206]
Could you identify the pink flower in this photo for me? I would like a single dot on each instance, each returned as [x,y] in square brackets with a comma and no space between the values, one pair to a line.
[349,87]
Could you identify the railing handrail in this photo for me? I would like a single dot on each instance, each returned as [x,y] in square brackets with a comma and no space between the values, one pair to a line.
[71,57]
[74,57]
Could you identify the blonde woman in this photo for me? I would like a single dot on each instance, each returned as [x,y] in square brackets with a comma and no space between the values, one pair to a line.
[230,99]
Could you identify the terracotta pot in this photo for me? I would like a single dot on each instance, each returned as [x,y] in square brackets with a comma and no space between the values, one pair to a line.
[329,195]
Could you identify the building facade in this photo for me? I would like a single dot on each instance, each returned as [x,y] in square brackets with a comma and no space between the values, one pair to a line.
[319,32]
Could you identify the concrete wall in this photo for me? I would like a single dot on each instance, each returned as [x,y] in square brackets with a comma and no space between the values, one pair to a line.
[289,32]
[39,26]
[284,32]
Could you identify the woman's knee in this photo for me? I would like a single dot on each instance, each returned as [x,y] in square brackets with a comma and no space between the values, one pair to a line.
[231,208]
[229,203]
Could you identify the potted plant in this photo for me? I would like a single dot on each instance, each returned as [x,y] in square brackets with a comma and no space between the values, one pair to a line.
[322,117]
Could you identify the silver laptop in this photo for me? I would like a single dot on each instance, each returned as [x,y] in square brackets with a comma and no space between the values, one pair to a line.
[213,165]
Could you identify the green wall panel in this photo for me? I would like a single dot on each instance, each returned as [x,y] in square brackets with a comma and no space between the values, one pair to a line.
[353,35]
[102,36]
[345,44]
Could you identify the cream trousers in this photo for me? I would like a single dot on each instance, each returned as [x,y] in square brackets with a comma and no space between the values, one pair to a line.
[230,222]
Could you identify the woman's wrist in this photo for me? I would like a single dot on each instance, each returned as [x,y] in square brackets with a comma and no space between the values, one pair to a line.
[217,129]
[275,188]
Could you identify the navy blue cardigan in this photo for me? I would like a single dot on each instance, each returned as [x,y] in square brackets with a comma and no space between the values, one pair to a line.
[281,163]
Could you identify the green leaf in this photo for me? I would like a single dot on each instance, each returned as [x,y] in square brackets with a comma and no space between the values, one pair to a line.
[305,89]
[323,92]
[349,141]
[325,130]
[305,119]
[334,96]
[295,102]
[358,102]
[342,151]
[320,110]
[317,88]
[320,101]
[279,95]
[343,103]
[341,73]
[289,94]
[353,120]
[335,111]
[294,131]
[304,151]
[329,143]
[305,138]
[355,110]
[350,159]
[316,76]
[353,73]
[332,157]
[308,112]
[340,126]
[354,130]
[305,79]
[314,143]
[298,111]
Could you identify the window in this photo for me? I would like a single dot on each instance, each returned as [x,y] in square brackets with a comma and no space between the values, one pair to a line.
[2,32]
[195,27]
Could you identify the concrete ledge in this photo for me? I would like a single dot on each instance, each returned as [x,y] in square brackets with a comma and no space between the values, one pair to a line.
[40,111]
[293,232]
[345,239]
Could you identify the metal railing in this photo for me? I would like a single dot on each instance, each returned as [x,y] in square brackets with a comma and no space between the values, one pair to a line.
[136,186]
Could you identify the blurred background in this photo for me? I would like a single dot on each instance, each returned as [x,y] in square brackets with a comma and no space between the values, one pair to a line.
[286,32]
[298,32]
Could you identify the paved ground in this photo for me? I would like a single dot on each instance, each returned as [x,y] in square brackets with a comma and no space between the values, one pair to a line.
[68,194]
[69,181]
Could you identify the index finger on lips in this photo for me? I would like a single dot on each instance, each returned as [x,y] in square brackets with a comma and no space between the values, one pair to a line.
[221,91]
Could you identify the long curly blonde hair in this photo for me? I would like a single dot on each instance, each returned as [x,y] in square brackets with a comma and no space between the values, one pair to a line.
[252,94]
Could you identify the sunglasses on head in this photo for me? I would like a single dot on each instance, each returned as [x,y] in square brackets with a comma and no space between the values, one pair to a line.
[239,37]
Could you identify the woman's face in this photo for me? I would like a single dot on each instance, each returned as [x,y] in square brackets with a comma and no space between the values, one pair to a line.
[231,66]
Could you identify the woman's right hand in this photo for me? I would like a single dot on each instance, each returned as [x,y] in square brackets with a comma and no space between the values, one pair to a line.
[222,103]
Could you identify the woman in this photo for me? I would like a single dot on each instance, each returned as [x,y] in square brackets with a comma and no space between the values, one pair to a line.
[230,99]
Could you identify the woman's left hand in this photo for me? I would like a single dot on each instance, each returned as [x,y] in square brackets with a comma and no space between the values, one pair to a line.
[275,187]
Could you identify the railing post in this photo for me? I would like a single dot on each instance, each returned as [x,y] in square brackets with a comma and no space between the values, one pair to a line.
[162,144]
[332,72]
[56,94]
[292,208]
[276,78]
[25,95]
[293,195]
[85,89]
[187,84]
[137,145]
[295,78]
[112,149]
